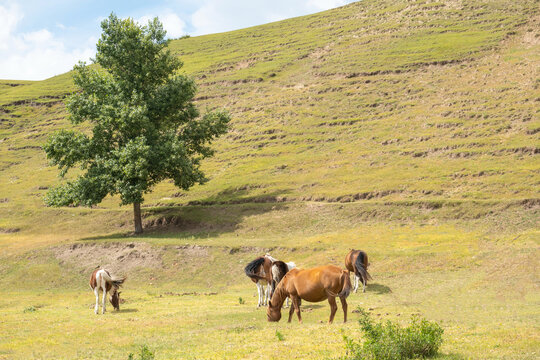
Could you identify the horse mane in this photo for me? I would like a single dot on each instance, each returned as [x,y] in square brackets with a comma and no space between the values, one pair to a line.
[252,267]
[279,295]
[279,270]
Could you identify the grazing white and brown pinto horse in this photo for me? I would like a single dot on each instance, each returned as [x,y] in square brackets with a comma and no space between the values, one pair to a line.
[357,262]
[279,269]
[102,279]
[313,285]
[260,272]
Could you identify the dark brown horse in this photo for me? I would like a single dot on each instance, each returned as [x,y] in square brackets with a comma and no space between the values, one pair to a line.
[102,279]
[313,285]
[260,272]
[357,262]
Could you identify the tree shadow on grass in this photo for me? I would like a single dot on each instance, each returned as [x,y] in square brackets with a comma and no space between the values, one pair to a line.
[378,289]
[209,217]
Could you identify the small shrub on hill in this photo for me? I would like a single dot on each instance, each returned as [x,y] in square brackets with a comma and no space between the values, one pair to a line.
[144,354]
[390,341]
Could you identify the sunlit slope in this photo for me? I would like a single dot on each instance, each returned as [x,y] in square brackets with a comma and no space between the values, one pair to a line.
[376,101]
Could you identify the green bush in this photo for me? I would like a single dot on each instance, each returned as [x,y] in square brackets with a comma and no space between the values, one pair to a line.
[279,336]
[144,354]
[389,341]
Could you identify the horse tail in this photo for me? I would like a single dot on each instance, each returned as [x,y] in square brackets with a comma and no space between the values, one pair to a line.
[113,280]
[347,286]
[360,267]
[252,267]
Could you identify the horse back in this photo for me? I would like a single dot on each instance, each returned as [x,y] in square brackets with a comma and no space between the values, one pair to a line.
[314,284]
[350,259]
[94,279]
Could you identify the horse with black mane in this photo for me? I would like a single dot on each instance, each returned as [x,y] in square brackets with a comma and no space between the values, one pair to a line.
[357,262]
[260,272]
[265,270]
[313,285]
[102,279]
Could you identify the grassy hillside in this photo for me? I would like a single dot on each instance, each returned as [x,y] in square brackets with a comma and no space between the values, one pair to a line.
[406,128]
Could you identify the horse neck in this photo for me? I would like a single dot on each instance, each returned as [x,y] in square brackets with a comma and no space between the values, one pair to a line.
[266,266]
[279,295]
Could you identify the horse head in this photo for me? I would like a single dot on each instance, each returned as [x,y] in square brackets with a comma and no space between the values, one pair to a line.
[273,313]
[115,298]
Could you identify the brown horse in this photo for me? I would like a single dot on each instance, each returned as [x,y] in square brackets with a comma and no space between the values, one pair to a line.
[260,272]
[313,285]
[102,279]
[356,261]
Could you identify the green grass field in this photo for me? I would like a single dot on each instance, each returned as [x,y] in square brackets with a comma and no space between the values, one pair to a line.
[407,129]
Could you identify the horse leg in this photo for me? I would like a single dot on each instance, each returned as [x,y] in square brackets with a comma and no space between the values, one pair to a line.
[344,306]
[104,298]
[267,294]
[333,308]
[287,302]
[355,281]
[96,292]
[259,292]
[291,311]
[364,283]
[296,302]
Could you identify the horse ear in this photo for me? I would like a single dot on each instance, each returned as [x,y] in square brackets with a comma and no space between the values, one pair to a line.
[270,303]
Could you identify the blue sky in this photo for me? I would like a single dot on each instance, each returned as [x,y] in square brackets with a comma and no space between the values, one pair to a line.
[43,38]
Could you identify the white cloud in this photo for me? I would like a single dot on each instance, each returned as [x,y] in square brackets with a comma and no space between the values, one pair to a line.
[171,22]
[326,4]
[221,15]
[9,17]
[35,55]
[39,54]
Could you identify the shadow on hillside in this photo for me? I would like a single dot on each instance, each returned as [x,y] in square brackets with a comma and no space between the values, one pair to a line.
[378,289]
[241,195]
[202,219]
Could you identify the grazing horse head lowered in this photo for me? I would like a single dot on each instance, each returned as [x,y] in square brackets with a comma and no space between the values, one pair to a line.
[357,262]
[313,285]
[102,279]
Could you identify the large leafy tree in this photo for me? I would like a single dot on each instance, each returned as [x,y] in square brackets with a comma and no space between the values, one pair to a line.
[144,127]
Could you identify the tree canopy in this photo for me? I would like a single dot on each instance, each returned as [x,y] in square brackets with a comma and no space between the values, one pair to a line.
[144,125]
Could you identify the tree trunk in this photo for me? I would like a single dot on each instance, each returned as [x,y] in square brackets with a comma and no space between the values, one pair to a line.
[137,218]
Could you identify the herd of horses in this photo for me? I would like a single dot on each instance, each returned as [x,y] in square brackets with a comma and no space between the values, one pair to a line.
[283,281]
